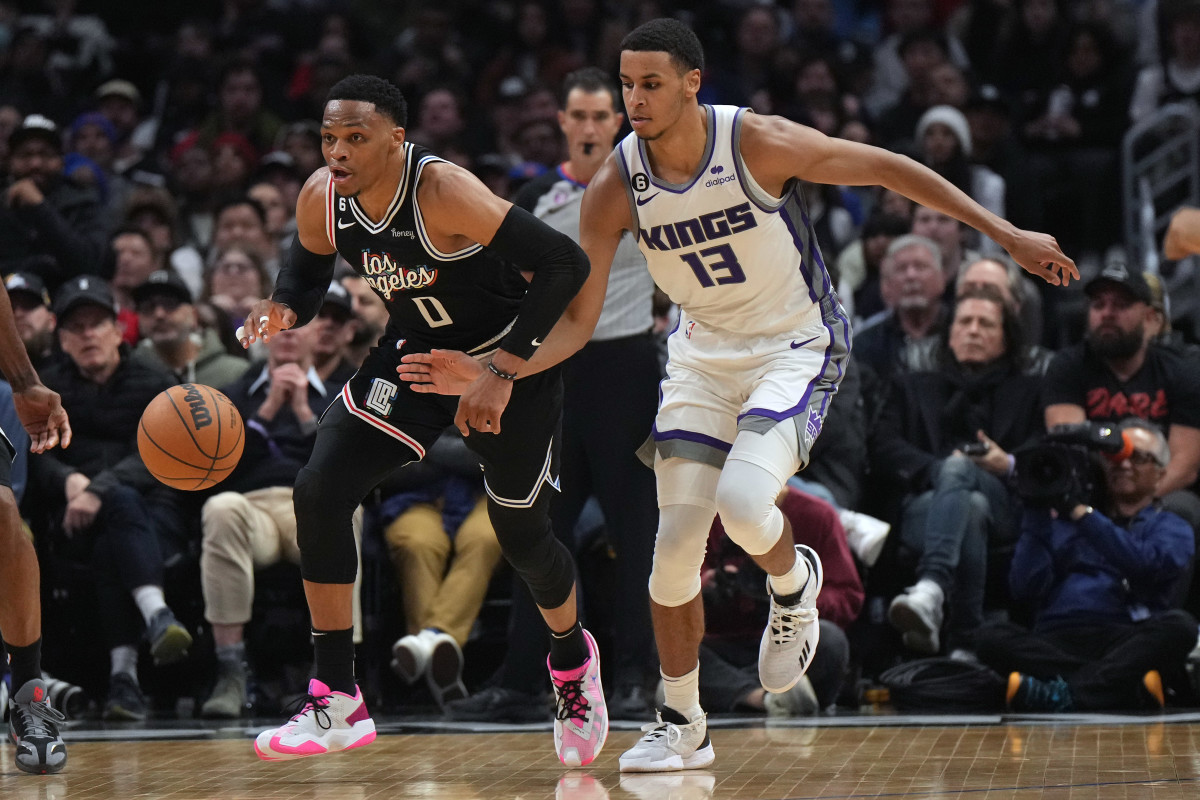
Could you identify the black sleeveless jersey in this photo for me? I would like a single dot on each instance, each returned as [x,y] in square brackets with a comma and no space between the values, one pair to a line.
[465,300]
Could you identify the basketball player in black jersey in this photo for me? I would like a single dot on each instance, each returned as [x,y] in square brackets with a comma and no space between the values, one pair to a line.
[447,257]
[32,722]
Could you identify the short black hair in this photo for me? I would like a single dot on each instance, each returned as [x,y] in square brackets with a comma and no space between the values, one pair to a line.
[383,94]
[669,36]
[234,201]
[590,80]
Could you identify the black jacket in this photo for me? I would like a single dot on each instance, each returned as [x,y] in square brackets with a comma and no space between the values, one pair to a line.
[275,450]
[62,237]
[104,420]
[930,414]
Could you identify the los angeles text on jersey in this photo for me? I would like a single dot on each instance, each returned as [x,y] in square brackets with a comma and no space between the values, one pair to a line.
[386,276]
[704,228]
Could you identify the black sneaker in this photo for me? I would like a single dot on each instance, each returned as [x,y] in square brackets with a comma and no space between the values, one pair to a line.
[126,703]
[499,704]
[169,641]
[33,728]
[1026,693]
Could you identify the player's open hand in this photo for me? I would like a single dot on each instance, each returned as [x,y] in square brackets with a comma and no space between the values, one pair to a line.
[266,318]
[439,371]
[1039,254]
[41,413]
[482,403]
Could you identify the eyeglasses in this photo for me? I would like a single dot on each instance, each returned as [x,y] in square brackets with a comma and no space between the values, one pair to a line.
[1140,458]
[166,302]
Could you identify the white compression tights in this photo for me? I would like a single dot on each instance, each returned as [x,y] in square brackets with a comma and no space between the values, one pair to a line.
[743,493]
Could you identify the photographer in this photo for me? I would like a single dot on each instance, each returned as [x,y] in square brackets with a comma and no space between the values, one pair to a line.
[956,503]
[1104,584]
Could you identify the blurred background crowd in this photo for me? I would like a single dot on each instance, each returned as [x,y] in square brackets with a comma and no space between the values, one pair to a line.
[152,158]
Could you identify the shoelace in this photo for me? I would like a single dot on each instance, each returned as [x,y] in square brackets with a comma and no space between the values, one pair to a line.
[572,704]
[39,719]
[786,622]
[656,731]
[317,705]
[670,731]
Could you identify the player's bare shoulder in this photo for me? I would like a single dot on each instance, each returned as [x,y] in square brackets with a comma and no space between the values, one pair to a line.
[773,147]
[444,184]
[312,210]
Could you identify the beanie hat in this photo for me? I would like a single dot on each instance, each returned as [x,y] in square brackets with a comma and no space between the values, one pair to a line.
[953,119]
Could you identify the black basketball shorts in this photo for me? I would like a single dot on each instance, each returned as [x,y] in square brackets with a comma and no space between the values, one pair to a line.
[517,463]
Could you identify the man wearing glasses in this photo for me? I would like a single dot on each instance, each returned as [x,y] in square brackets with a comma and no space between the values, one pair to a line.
[172,336]
[1103,584]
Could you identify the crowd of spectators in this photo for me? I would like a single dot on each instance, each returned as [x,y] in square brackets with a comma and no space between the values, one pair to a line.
[152,168]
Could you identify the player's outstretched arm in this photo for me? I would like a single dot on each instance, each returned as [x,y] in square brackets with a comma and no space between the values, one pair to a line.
[1183,234]
[776,149]
[305,272]
[604,218]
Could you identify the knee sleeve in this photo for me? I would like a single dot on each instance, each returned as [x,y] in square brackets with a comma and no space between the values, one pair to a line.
[746,502]
[528,543]
[679,553]
[324,530]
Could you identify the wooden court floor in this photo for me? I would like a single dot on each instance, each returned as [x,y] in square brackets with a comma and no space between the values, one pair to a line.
[1138,758]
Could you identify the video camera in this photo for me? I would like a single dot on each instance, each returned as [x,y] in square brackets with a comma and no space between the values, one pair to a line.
[1061,470]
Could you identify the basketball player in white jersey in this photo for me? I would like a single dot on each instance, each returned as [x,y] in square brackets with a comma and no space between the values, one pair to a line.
[711,194]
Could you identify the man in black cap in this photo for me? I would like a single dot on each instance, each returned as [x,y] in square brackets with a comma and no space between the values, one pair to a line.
[173,338]
[31,312]
[49,224]
[96,503]
[1115,373]
[335,330]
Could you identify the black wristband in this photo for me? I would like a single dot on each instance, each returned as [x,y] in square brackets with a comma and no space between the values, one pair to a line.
[499,373]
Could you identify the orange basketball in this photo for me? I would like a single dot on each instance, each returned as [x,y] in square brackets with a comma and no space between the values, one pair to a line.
[191,436]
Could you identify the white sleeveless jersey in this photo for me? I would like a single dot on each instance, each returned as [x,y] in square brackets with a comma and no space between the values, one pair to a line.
[733,257]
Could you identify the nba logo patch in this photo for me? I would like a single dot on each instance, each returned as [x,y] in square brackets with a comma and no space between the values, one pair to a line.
[688,330]
[813,427]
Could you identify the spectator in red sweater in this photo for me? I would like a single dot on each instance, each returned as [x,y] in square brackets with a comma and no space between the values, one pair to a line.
[735,604]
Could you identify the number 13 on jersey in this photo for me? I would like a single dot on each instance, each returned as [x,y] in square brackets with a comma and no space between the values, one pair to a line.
[715,266]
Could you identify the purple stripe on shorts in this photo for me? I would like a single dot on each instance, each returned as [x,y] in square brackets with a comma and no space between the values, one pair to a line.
[691,436]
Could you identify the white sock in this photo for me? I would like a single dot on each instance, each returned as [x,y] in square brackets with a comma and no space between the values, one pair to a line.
[150,600]
[683,693]
[124,660]
[793,580]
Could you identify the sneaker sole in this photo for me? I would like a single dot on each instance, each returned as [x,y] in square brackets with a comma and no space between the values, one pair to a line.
[364,740]
[172,646]
[404,664]
[700,759]
[445,668]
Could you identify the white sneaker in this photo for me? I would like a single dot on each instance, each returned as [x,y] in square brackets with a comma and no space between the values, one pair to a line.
[692,786]
[789,641]
[670,744]
[865,535]
[918,615]
[328,721]
[580,711]
[410,655]
[798,701]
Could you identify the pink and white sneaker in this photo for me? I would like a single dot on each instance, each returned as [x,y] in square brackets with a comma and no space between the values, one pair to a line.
[581,716]
[327,722]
